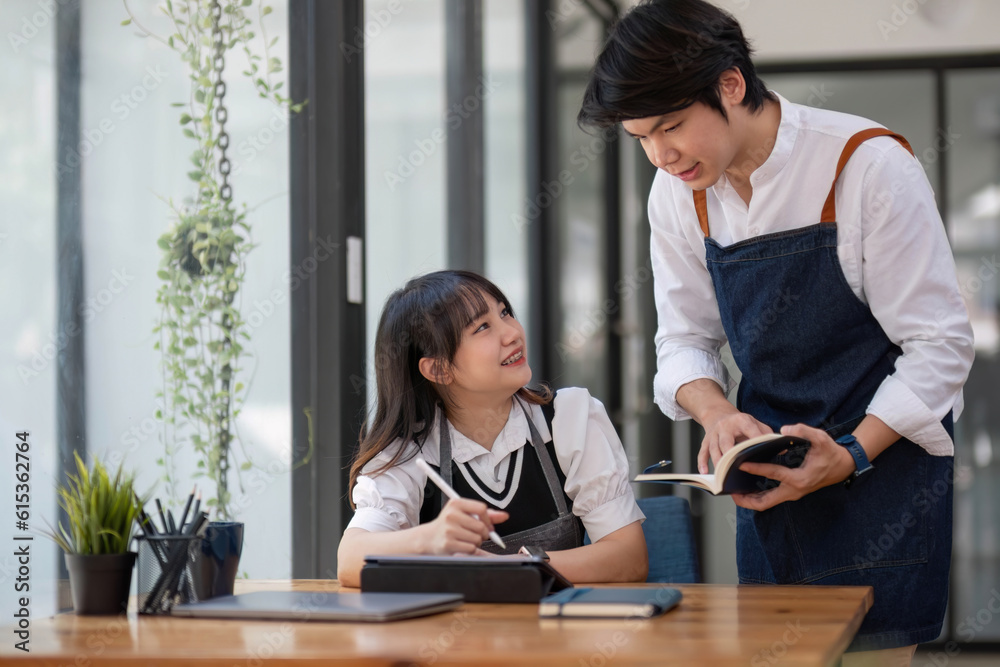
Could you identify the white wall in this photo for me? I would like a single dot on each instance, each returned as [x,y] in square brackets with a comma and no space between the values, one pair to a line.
[807,29]
[820,29]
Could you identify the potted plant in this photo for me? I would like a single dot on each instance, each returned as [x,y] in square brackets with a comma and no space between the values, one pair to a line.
[101,510]
[201,330]
[204,253]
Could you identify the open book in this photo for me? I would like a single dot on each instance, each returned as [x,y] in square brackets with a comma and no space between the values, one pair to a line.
[728,478]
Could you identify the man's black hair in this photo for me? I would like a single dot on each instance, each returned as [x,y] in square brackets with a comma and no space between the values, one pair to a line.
[663,56]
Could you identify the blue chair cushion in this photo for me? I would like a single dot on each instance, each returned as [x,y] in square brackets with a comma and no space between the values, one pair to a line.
[673,558]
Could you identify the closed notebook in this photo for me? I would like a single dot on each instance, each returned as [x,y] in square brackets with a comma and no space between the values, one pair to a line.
[609,602]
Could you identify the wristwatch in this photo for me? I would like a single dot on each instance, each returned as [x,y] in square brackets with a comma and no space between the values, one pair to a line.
[861,463]
[531,550]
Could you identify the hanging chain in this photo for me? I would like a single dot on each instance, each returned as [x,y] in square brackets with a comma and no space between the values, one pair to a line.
[221,113]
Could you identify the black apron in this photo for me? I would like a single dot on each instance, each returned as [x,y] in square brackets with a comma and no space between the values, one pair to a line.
[541,512]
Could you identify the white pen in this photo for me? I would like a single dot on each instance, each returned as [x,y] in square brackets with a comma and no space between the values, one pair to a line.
[451,493]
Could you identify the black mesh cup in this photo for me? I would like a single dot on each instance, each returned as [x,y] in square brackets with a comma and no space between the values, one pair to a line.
[169,572]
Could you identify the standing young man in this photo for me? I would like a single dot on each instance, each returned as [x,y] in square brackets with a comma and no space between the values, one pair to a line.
[809,240]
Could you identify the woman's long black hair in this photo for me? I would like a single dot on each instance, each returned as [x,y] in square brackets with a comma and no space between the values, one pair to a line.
[425,318]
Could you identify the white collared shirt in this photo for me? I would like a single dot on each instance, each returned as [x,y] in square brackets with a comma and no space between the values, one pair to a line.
[892,248]
[588,451]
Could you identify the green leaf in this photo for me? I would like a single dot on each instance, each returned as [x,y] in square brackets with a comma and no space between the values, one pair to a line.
[195,175]
[246,465]
[185,119]
[126,21]
[163,275]
[188,133]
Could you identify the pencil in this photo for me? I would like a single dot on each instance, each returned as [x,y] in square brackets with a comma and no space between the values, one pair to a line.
[451,493]
[159,508]
[197,506]
[187,506]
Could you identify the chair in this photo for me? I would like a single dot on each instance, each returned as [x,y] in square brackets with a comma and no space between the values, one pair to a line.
[669,540]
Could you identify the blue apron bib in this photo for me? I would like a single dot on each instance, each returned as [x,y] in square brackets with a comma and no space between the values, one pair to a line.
[811,351]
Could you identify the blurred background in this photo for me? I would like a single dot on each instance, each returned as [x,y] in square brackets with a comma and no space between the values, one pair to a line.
[438,133]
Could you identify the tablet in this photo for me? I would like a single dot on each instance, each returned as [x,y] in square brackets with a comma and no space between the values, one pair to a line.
[514,578]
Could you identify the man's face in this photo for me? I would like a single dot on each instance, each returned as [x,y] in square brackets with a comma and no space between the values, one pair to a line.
[694,144]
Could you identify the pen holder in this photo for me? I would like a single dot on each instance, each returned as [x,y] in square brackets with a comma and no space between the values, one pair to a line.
[221,549]
[169,572]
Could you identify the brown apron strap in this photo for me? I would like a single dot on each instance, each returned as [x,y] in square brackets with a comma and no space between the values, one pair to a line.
[829,207]
[701,206]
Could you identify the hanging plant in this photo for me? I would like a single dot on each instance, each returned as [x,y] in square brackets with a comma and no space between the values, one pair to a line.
[201,330]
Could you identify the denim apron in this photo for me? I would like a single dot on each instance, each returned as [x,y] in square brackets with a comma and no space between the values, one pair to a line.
[811,352]
[562,532]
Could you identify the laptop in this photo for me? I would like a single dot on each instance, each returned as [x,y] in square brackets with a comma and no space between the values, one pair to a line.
[321,606]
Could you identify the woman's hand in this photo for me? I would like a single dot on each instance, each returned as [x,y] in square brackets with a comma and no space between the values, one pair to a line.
[460,528]
[825,463]
[725,430]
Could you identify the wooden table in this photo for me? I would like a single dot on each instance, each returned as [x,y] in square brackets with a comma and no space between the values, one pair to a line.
[757,626]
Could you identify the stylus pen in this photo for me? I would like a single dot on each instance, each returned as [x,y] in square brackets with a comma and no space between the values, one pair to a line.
[451,493]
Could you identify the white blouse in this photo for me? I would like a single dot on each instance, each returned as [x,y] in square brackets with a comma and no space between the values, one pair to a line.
[892,247]
[587,450]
